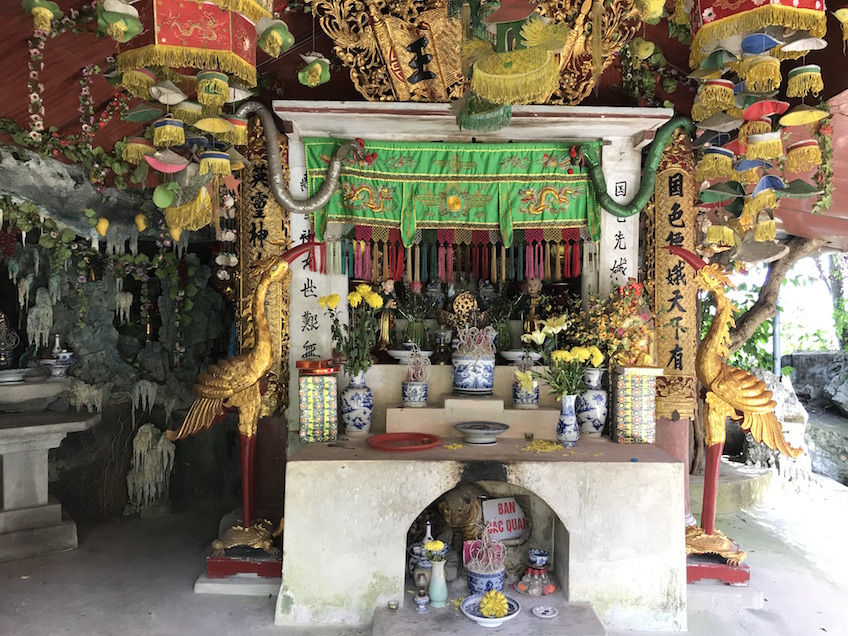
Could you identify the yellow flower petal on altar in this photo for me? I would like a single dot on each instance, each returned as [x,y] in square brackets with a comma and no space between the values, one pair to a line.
[363,290]
[332,301]
[354,298]
[374,300]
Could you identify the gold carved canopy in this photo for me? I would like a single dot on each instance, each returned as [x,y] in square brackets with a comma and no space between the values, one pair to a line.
[372,38]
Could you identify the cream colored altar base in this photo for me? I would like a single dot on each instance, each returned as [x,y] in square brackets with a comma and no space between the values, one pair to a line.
[618,543]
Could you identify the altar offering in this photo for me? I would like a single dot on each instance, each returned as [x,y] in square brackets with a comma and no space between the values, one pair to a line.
[317,397]
[634,397]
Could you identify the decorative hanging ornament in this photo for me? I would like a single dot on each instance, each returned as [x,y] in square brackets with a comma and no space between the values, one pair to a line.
[716,163]
[758,127]
[167,161]
[842,16]
[480,115]
[216,162]
[138,82]
[803,155]
[43,13]
[136,149]
[143,113]
[168,131]
[316,71]
[214,125]
[804,80]
[237,160]
[192,215]
[118,20]
[803,115]
[237,135]
[717,94]
[213,88]
[274,36]
[760,72]
[190,112]
[166,92]
[140,221]
[765,146]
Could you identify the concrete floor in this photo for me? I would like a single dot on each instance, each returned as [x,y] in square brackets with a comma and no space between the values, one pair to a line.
[134,577]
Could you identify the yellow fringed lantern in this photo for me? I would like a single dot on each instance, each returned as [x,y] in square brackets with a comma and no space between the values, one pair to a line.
[746,177]
[43,13]
[765,231]
[802,115]
[216,162]
[717,94]
[765,146]
[761,73]
[136,149]
[213,88]
[804,80]
[168,131]
[842,16]
[766,200]
[189,112]
[716,163]
[526,76]
[701,111]
[720,235]
[274,36]
[758,127]
[138,82]
[238,135]
[803,155]
[191,216]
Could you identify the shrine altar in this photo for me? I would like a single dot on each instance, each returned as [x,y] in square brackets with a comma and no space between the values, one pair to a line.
[618,539]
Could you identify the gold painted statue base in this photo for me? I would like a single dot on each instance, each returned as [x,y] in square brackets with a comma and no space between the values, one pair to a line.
[699,542]
[258,535]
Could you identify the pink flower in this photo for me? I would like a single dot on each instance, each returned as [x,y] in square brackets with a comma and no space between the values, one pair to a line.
[34,97]
[38,125]
[35,135]
[709,14]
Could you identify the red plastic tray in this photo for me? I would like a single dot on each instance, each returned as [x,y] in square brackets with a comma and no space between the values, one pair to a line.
[404,441]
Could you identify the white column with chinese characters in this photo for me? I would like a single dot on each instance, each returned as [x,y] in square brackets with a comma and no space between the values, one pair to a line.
[309,324]
[618,255]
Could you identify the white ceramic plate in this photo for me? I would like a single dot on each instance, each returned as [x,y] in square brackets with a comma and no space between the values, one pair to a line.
[470,606]
[8,376]
[481,433]
[402,355]
[514,355]
[545,611]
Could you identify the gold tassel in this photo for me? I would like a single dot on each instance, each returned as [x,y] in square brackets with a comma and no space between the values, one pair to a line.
[765,231]
[136,149]
[184,56]
[756,127]
[714,166]
[746,177]
[237,136]
[765,201]
[801,84]
[597,42]
[138,82]
[193,215]
[767,150]
[188,111]
[251,9]
[720,235]
[769,15]
[762,75]
[803,158]
[168,132]
[717,96]
[525,76]
[736,113]
[701,111]
[215,162]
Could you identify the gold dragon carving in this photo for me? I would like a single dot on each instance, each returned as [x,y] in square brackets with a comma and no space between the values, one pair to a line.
[368,35]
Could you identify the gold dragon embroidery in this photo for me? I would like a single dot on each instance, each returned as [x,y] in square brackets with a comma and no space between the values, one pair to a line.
[351,193]
[205,27]
[529,198]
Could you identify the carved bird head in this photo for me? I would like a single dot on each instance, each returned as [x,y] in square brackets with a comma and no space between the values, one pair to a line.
[278,266]
[709,277]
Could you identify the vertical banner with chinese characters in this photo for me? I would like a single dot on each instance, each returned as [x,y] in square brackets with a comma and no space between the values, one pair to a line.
[674,290]
[261,219]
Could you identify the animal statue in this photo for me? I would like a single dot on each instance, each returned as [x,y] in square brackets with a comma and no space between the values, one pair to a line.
[235,382]
[731,392]
[463,510]
[259,535]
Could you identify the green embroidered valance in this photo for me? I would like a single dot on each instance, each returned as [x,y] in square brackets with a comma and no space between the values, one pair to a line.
[418,185]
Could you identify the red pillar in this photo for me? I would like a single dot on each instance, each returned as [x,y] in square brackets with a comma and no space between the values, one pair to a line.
[708,509]
[248,448]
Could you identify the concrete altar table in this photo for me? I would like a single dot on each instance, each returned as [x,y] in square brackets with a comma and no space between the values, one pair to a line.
[31,521]
[618,543]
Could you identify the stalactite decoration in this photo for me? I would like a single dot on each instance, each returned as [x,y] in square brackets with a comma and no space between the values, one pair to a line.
[24,285]
[123,305]
[54,286]
[86,395]
[40,318]
[152,462]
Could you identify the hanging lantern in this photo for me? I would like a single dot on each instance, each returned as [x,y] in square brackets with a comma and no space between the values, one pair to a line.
[216,162]
[803,155]
[761,73]
[136,149]
[765,146]
[717,94]
[716,163]
[804,80]
[190,112]
[721,236]
[118,20]
[215,36]
[765,230]
[238,134]
[316,71]
[274,36]
[213,88]
[803,115]
[214,125]
[192,215]
[138,82]
[168,131]
[43,13]
[842,16]
[166,92]
[758,127]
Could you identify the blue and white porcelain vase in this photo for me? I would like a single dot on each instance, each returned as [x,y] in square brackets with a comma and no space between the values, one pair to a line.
[567,431]
[357,404]
[414,394]
[591,405]
[523,399]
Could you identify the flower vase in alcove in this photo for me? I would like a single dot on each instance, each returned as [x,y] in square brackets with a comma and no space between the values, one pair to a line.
[567,431]
[525,389]
[355,343]
[591,404]
[436,552]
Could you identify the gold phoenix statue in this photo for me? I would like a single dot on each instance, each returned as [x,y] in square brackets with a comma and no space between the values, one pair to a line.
[235,382]
[731,392]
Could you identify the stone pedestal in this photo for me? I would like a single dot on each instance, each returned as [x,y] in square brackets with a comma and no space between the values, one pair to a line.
[31,522]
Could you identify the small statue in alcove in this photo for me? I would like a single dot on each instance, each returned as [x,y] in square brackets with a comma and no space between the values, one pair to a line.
[531,304]
[462,509]
[387,316]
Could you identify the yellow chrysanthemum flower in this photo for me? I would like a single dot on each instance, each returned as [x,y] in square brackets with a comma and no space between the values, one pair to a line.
[363,290]
[354,298]
[322,302]
[597,358]
[562,355]
[434,546]
[374,300]
[537,337]
[525,379]
[581,353]
[333,301]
